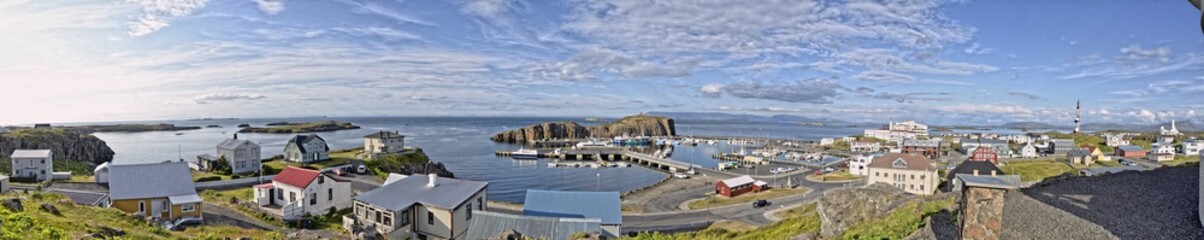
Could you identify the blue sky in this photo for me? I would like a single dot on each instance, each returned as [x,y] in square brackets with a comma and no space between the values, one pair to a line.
[942,62]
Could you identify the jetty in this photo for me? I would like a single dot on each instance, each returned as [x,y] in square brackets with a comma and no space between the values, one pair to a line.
[605,156]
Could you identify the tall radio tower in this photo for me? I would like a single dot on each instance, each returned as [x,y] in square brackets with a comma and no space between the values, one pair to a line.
[1077,110]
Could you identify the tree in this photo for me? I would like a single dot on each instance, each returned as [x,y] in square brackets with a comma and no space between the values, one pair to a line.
[221,166]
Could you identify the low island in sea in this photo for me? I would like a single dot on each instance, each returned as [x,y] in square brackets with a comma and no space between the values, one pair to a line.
[288,127]
[86,129]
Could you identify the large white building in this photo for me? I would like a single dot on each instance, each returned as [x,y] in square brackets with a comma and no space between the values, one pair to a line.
[920,130]
[35,164]
[1191,148]
[864,146]
[298,191]
[384,142]
[1116,140]
[859,164]
[912,173]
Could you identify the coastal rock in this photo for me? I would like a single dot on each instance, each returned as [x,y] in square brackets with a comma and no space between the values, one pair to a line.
[287,127]
[50,208]
[410,164]
[508,235]
[14,204]
[639,125]
[843,208]
[67,145]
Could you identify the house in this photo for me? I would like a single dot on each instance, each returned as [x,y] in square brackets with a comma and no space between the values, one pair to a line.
[826,141]
[864,146]
[984,154]
[585,205]
[1080,157]
[927,148]
[1018,138]
[1000,147]
[1191,148]
[914,174]
[1130,151]
[35,165]
[1116,140]
[858,164]
[1028,151]
[1061,146]
[889,135]
[306,148]
[972,168]
[486,225]
[1163,147]
[1096,153]
[733,187]
[909,126]
[243,156]
[162,191]
[1158,156]
[418,208]
[384,142]
[296,191]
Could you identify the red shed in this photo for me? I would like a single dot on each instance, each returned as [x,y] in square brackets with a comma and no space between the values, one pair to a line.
[985,154]
[735,186]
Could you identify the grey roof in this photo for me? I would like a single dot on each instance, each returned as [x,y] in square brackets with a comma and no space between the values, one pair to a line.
[983,141]
[235,143]
[998,181]
[485,225]
[1131,148]
[150,180]
[301,140]
[921,143]
[1062,141]
[30,153]
[447,194]
[1079,153]
[207,156]
[384,135]
[603,205]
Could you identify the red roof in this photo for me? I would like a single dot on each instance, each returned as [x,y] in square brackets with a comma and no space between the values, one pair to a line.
[297,177]
[265,185]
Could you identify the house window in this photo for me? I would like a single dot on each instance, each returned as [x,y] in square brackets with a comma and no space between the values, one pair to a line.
[330,194]
[188,207]
[313,199]
[921,177]
[405,217]
[377,214]
[430,218]
[321,180]
[388,220]
[359,210]
[292,197]
[468,213]
[43,161]
[480,204]
[141,206]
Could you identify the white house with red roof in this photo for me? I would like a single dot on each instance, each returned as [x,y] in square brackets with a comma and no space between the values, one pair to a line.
[298,191]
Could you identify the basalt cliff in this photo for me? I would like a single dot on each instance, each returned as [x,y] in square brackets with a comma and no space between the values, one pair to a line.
[66,145]
[638,125]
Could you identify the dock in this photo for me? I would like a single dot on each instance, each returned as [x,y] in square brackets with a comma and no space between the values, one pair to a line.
[607,157]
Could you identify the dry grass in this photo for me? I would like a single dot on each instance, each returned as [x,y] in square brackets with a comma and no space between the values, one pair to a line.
[732,226]
[719,201]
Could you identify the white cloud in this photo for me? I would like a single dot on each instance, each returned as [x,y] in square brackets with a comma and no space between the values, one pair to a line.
[987,108]
[711,90]
[884,76]
[1104,111]
[584,65]
[156,13]
[1135,53]
[975,48]
[1146,115]
[271,7]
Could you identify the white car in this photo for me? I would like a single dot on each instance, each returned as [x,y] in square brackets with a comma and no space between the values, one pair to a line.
[680,175]
[361,169]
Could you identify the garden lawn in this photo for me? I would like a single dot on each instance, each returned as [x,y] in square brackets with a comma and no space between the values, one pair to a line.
[1037,170]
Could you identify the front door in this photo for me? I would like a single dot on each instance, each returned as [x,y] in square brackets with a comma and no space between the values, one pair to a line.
[271,196]
[157,208]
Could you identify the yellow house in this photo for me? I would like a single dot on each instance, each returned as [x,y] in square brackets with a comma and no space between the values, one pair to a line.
[160,191]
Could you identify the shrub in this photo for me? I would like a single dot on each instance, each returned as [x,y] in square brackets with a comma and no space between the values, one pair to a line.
[209,179]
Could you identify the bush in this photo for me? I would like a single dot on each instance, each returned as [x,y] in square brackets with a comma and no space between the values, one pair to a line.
[209,179]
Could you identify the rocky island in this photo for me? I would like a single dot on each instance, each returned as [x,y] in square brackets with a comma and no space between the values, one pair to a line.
[638,125]
[287,127]
[86,129]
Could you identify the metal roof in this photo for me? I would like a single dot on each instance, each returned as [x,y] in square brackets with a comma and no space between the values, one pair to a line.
[301,140]
[297,177]
[912,162]
[965,141]
[186,198]
[447,194]
[485,225]
[998,181]
[602,205]
[30,153]
[151,180]
[921,143]
[1131,148]
[233,144]
[738,181]
[1078,153]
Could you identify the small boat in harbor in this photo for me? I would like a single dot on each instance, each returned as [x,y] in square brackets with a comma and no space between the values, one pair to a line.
[525,154]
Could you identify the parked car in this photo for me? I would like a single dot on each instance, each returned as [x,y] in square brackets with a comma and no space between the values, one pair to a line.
[338,172]
[361,169]
[680,175]
[182,223]
[760,203]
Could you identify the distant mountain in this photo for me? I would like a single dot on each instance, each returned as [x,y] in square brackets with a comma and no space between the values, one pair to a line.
[1029,125]
[714,116]
[1183,126]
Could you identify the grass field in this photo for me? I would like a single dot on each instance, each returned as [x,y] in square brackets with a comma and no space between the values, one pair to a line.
[804,220]
[1180,160]
[837,176]
[899,223]
[1037,170]
[719,201]
[77,221]
[337,157]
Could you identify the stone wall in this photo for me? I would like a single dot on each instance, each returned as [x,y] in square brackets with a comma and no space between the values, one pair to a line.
[982,213]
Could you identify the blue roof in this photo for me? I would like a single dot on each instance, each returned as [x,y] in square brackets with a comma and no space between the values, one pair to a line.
[565,204]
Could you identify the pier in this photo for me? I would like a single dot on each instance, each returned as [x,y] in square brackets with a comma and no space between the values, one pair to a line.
[603,156]
[657,162]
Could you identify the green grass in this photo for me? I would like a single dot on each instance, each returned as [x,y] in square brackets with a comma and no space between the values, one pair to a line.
[225,197]
[719,201]
[842,175]
[382,166]
[802,220]
[77,221]
[1036,170]
[337,157]
[899,223]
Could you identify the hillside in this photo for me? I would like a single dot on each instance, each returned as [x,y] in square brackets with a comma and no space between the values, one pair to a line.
[638,125]
[85,222]
[66,145]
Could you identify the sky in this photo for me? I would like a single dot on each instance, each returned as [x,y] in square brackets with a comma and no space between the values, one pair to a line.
[937,61]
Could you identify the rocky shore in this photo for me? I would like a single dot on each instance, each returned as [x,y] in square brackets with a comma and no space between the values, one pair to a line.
[66,144]
[409,164]
[287,127]
[638,125]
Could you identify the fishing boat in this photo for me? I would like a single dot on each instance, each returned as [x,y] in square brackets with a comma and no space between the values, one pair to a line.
[593,143]
[525,154]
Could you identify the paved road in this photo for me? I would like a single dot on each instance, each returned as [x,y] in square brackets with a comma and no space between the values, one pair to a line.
[688,220]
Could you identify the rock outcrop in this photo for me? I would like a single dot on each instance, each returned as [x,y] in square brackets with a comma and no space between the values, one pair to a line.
[287,127]
[67,145]
[410,164]
[843,208]
[638,125]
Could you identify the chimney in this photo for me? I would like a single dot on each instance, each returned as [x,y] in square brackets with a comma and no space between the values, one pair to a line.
[975,172]
[432,181]
[992,173]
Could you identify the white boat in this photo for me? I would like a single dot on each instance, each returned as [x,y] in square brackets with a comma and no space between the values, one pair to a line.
[593,143]
[525,154]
